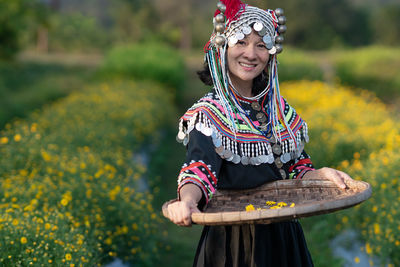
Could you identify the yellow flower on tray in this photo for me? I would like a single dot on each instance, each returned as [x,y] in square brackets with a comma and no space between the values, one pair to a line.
[250,207]
[270,203]
[281,204]
[292,205]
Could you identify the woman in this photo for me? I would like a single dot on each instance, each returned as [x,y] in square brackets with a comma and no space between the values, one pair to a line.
[241,135]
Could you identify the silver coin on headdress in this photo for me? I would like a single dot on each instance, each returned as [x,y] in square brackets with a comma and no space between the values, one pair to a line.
[239,35]
[246,30]
[272,51]
[258,26]
[232,41]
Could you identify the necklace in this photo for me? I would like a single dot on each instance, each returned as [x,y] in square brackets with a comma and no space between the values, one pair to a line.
[251,98]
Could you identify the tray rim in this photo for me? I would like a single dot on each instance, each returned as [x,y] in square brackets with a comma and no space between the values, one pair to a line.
[277,215]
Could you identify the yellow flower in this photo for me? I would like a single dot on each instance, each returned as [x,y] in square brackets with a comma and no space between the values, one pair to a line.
[357,260]
[368,248]
[64,202]
[275,207]
[68,257]
[24,240]
[281,204]
[250,207]
[3,140]
[292,205]
[270,203]
[376,228]
[17,137]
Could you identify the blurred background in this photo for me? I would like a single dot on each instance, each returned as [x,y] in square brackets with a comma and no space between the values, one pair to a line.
[90,95]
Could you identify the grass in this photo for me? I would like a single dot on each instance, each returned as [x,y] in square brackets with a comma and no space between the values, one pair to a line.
[28,85]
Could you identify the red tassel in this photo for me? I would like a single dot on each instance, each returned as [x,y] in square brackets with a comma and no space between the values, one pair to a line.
[232,8]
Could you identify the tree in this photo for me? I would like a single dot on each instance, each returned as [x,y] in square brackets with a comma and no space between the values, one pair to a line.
[15,18]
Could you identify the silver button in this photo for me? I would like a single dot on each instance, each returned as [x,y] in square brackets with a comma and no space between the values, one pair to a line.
[277,149]
[278,162]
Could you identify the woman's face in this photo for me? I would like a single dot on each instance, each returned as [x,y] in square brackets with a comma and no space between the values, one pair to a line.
[247,59]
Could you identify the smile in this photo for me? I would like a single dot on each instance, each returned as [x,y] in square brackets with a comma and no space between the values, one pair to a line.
[247,65]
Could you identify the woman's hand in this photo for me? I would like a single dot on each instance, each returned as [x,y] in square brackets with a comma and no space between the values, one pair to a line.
[338,177]
[180,212]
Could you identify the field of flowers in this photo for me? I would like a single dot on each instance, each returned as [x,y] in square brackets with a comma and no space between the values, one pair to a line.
[358,134]
[67,179]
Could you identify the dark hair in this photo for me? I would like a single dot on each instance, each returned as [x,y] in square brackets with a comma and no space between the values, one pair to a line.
[259,82]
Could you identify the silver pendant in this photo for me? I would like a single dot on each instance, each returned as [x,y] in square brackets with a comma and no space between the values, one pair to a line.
[285,157]
[207,131]
[219,150]
[217,142]
[245,160]
[283,173]
[277,149]
[270,159]
[278,162]
[236,159]
[227,154]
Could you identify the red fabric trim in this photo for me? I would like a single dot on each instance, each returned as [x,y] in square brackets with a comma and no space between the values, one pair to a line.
[300,162]
[198,164]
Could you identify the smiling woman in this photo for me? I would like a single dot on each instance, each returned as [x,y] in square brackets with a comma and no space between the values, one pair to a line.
[241,135]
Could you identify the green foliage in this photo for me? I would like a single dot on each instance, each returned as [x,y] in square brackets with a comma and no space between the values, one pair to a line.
[321,24]
[67,179]
[151,61]
[374,68]
[15,18]
[27,86]
[76,32]
[297,65]
[385,24]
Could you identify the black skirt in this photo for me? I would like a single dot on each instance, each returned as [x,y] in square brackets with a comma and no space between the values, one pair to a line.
[276,245]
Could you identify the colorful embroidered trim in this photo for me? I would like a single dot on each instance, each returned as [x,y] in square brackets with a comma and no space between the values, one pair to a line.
[200,174]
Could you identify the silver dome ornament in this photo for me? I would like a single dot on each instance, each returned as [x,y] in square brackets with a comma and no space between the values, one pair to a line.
[272,51]
[220,27]
[279,39]
[279,48]
[221,7]
[219,18]
[279,12]
[282,28]
[281,20]
[219,40]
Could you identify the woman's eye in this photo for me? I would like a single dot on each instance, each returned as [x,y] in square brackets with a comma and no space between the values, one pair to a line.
[240,42]
[262,46]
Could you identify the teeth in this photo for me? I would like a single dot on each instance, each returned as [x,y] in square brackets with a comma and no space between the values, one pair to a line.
[247,65]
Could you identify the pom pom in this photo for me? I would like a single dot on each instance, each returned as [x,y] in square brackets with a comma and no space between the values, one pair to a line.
[232,8]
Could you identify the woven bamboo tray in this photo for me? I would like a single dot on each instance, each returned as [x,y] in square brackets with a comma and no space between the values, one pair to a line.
[311,197]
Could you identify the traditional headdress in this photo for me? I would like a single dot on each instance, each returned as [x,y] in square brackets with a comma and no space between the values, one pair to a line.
[233,20]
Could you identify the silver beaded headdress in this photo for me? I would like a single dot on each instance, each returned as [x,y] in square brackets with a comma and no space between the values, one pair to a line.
[233,21]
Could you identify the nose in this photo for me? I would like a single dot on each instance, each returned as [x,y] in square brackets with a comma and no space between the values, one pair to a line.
[250,52]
